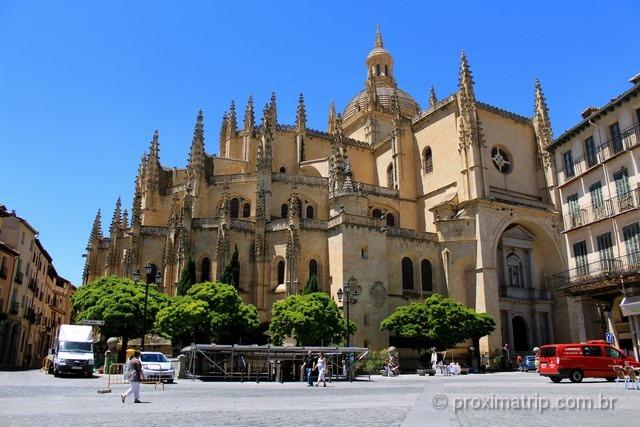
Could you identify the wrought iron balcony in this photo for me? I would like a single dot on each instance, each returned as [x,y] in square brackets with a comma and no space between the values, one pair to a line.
[596,212]
[600,275]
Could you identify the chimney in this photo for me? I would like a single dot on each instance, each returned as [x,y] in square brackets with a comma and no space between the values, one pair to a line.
[635,79]
[588,111]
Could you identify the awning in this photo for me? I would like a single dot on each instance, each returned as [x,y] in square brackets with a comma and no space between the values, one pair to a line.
[630,306]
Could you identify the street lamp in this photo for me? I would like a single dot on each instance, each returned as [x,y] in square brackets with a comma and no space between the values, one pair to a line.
[148,269]
[349,296]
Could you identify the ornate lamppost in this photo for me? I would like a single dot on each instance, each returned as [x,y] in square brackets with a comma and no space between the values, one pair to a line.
[349,295]
[148,269]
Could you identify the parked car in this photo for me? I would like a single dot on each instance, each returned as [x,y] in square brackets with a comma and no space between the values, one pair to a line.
[529,363]
[593,359]
[156,365]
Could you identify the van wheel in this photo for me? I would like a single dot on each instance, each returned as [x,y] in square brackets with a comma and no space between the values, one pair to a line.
[556,379]
[56,373]
[576,376]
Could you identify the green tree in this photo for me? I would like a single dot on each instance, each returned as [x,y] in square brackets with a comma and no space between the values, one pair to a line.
[226,319]
[437,322]
[120,303]
[311,286]
[231,273]
[187,277]
[312,319]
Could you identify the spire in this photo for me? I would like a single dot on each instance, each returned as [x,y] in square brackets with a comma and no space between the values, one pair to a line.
[541,116]
[136,208]
[152,173]
[116,219]
[274,110]
[378,42]
[195,166]
[264,154]
[154,149]
[465,85]
[223,134]
[232,121]
[372,96]
[249,119]
[331,123]
[301,116]
[124,223]
[96,230]
[432,97]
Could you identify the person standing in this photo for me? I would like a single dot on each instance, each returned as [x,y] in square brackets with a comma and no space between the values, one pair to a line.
[320,365]
[135,377]
[308,368]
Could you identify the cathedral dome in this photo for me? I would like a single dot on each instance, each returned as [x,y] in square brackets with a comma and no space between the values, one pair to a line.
[408,106]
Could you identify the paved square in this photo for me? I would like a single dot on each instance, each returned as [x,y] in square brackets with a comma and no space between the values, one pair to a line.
[31,398]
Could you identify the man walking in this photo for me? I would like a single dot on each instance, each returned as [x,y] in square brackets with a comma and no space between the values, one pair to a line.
[135,377]
[308,368]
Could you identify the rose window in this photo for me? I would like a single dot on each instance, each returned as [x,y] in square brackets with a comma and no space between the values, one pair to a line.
[501,160]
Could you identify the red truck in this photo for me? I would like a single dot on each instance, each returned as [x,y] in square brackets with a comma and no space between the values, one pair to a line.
[593,359]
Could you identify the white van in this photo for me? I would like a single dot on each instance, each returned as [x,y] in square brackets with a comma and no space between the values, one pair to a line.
[73,353]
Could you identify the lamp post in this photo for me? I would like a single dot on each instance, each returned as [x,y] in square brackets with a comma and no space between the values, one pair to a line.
[148,269]
[349,296]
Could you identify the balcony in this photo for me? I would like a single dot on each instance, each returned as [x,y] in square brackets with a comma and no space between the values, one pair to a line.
[608,208]
[628,139]
[598,276]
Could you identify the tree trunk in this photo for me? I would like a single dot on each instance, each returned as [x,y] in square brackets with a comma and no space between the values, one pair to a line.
[122,356]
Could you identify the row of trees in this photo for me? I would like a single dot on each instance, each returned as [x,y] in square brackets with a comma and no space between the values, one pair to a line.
[214,312]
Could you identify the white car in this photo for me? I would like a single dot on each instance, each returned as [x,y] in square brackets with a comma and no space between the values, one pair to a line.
[155,364]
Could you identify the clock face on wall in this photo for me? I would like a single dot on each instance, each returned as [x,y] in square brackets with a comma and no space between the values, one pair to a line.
[501,160]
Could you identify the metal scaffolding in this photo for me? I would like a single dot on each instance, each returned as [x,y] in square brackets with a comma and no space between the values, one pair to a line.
[267,363]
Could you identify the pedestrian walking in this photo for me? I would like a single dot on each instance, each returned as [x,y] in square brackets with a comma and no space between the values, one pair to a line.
[308,368]
[135,377]
[321,365]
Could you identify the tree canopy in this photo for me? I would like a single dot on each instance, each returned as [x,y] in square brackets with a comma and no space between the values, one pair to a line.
[311,286]
[120,303]
[187,277]
[312,319]
[437,322]
[209,311]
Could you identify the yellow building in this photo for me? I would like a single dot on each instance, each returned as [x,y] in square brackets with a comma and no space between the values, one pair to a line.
[599,188]
[456,198]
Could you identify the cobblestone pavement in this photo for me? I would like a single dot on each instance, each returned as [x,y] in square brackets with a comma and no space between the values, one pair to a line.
[31,398]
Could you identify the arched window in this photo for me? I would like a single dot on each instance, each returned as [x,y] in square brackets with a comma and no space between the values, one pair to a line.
[377,69]
[283,170]
[309,211]
[391,220]
[284,210]
[376,213]
[426,277]
[205,270]
[235,206]
[280,272]
[427,158]
[407,273]
[390,176]
[313,268]
[246,210]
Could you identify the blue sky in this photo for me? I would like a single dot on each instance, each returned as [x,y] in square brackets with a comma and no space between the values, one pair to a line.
[84,84]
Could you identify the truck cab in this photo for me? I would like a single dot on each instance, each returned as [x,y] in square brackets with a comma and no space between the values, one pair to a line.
[73,353]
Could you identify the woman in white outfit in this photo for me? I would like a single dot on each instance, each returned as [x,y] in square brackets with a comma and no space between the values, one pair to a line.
[320,364]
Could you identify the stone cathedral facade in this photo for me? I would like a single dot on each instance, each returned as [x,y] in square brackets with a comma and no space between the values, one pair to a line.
[456,198]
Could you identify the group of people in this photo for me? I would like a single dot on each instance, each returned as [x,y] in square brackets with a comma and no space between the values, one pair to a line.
[312,364]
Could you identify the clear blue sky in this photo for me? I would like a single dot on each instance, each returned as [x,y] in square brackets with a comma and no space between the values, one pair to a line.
[84,84]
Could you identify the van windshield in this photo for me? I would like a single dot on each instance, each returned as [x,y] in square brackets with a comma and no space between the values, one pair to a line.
[548,352]
[78,347]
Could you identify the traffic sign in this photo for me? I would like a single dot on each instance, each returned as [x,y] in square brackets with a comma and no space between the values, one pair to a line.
[93,322]
[609,338]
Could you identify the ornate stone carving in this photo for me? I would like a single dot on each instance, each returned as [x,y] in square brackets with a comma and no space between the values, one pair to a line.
[378,294]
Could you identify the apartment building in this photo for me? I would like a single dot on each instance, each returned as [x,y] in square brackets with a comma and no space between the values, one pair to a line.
[598,175]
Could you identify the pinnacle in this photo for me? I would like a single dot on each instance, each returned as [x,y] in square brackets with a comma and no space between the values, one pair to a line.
[378,42]
[432,97]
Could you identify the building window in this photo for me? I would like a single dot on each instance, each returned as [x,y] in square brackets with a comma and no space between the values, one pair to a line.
[567,158]
[283,170]
[246,210]
[631,236]
[364,253]
[377,69]
[580,254]
[310,211]
[575,214]
[616,137]
[427,159]
[407,274]
[376,213]
[597,201]
[501,160]
[284,210]
[390,179]
[605,250]
[391,220]
[280,272]
[623,191]
[205,270]
[425,276]
[638,115]
[590,152]
[313,268]
[235,205]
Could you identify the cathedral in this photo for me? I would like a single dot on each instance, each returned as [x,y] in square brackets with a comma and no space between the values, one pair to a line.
[396,200]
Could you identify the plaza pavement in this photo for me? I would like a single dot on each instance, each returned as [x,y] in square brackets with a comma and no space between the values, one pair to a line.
[31,398]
